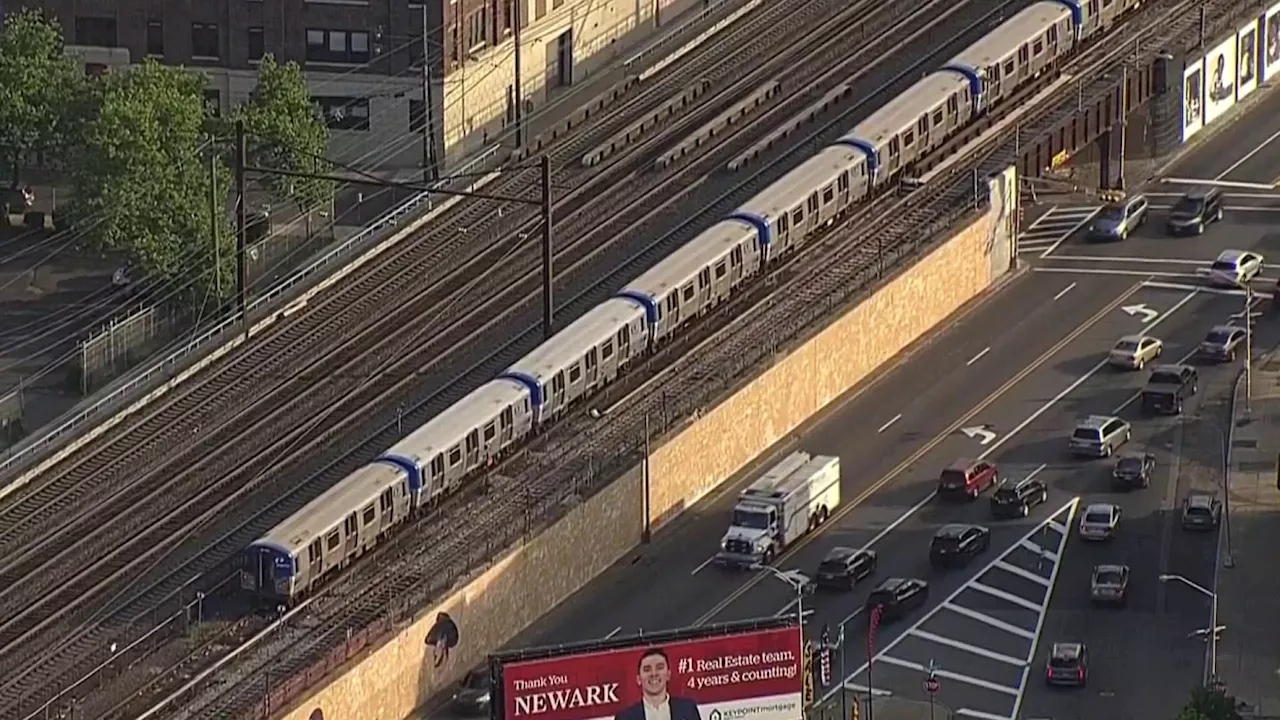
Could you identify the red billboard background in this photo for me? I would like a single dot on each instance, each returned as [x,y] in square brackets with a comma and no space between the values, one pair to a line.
[755,675]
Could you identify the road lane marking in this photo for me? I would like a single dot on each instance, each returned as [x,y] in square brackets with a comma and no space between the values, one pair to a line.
[1247,156]
[846,508]
[1063,238]
[1024,574]
[613,632]
[1230,208]
[889,424]
[1048,600]
[874,692]
[1050,556]
[1064,291]
[1008,597]
[702,565]
[966,647]
[1205,289]
[980,715]
[1055,525]
[978,357]
[858,611]
[1035,472]
[1124,259]
[966,679]
[988,620]
[1115,272]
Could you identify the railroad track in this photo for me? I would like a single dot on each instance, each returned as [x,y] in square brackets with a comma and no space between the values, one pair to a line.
[824,281]
[27,619]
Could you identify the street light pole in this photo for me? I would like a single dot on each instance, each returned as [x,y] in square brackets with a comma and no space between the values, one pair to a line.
[798,582]
[1248,349]
[1211,668]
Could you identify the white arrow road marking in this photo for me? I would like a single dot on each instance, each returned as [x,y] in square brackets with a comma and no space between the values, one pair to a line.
[979,433]
[1141,309]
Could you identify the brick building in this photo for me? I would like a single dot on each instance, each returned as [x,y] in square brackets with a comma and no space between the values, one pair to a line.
[364,58]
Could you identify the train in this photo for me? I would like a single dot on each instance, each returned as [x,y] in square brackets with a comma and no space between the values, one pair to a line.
[433,461]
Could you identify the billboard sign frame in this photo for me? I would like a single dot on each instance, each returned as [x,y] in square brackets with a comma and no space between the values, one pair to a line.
[1247,61]
[1220,79]
[1270,42]
[1192,98]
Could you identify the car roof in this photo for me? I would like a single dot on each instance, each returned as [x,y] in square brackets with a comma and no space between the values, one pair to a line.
[893,583]
[1111,568]
[953,530]
[1067,651]
[1100,507]
[1201,192]
[1133,455]
[961,464]
[1200,499]
[1170,367]
[1231,255]
[841,553]
[1226,328]
[1095,421]
[1133,338]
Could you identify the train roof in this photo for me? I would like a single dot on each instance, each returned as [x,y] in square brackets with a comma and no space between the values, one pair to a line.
[326,512]
[791,189]
[903,111]
[451,425]
[567,346]
[1005,40]
[682,265]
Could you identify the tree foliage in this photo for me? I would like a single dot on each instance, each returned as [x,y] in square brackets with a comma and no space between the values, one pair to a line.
[286,133]
[141,179]
[39,87]
[1210,703]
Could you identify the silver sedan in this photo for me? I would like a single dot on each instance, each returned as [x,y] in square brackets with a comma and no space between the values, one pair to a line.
[1133,352]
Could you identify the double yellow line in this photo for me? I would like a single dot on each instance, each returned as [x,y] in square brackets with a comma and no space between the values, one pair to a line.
[846,508]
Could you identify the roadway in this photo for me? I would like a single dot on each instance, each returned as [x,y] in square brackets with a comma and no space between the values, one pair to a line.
[1015,373]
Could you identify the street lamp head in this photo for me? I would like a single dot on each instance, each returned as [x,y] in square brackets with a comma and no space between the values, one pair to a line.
[1167,578]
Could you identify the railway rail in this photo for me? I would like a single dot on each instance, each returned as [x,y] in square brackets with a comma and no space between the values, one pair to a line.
[31,609]
[531,488]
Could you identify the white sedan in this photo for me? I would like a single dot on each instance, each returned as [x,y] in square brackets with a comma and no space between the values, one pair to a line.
[1234,268]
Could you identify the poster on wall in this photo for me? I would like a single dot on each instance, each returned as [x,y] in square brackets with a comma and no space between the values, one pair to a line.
[1271,42]
[1247,59]
[1220,79]
[1192,98]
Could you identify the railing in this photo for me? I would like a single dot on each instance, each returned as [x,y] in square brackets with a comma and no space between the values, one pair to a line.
[25,452]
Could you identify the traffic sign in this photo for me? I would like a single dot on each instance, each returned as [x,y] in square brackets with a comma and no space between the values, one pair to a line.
[931,685]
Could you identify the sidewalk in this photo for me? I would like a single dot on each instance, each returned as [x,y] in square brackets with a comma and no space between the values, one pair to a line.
[1248,584]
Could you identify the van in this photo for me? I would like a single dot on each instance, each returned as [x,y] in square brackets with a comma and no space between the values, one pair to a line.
[966,479]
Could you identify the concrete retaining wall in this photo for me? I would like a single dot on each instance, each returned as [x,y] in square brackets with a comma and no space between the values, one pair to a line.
[390,681]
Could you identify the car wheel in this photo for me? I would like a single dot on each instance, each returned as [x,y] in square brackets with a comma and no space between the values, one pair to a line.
[1044,497]
[1142,363]
[1106,450]
[1026,510]
[1217,217]
[1231,356]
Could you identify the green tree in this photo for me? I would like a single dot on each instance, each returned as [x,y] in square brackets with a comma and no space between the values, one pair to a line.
[285,132]
[1210,703]
[39,85]
[141,178]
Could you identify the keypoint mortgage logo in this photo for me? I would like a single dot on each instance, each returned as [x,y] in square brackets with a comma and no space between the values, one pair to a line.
[744,676]
[441,638]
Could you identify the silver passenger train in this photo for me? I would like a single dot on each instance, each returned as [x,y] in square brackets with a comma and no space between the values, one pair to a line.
[434,460]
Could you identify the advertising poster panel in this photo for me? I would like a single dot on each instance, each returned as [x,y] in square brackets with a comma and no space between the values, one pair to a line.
[1247,60]
[1192,98]
[755,675]
[1220,76]
[1271,42]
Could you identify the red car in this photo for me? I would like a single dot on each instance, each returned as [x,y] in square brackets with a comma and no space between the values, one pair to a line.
[967,479]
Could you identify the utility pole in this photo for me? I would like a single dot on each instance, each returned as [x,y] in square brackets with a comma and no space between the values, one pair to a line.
[1248,349]
[519,96]
[213,221]
[548,301]
[647,534]
[242,223]
[430,169]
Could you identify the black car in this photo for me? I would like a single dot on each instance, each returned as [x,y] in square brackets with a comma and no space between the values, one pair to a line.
[1222,343]
[1195,211]
[1133,470]
[843,567]
[473,694]
[1068,665]
[958,544]
[1201,511]
[1015,499]
[897,597]
[1168,389]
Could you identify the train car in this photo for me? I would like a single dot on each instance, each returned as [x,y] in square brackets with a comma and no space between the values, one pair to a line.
[699,275]
[802,201]
[337,527]
[1020,49]
[468,435]
[583,357]
[914,123]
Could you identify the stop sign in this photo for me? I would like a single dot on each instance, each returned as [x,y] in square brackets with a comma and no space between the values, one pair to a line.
[932,686]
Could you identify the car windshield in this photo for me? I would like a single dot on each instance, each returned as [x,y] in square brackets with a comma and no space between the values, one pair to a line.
[1112,213]
[946,542]
[1006,494]
[750,519]
[952,478]
[881,597]
[1188,206]
[831,566]
[476,681]
[1126,346]
[1062,662]
[1197,510]
[1097,518]
[1129,465]
[1109,577]
[1085,434]
[1218,337]
[1165,378]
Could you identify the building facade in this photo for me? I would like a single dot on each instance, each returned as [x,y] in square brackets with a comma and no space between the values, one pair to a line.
[381,71]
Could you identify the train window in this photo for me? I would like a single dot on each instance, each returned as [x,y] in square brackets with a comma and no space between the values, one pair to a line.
[721,269]
[909,138]
[490,432]
[937,114]
[894,148]
[828,194]
[1010,68]
[813,202]
[688,292]
[575,373]
[333,541]
[606,350]
[797,216]
[369,515]
[437,465]
[455,455]
[1038,48]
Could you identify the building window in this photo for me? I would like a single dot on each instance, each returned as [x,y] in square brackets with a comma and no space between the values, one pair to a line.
[155,37]
[344,113]
[213,102]
[257,43]
[96,31]
[477,29]
[417,115]
[508,11]
[204,40]
[346,47]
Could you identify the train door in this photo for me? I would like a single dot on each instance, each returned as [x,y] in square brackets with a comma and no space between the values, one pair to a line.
[386,510]
[991,86]
[895,155]
[263,571]
[506,421]
[472,446]
[489,440]
[351,536]
[435,474]
[1025,68]
[704,289]
[557,392]
[593,367]
[1092,16]
[623,340]
[842,189]
[315,560]
[720,282]
[781,235]
[672,319]
[735,266]
[368,524]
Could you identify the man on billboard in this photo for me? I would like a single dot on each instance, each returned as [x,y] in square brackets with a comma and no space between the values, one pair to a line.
[653,674]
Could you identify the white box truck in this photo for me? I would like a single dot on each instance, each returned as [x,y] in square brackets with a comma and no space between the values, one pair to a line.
[792,498]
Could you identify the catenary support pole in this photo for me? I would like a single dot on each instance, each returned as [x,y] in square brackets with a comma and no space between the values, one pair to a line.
[430,169]
[518,98]
[548,300]
[242,223]
[647,533]
[214,212]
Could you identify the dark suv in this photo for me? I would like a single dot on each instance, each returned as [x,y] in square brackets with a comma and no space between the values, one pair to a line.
[967,479]
[1199,207]
[1168,389]
[1015,499]
[958,544]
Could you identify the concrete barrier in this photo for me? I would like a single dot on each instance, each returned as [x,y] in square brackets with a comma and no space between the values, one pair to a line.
[390,681]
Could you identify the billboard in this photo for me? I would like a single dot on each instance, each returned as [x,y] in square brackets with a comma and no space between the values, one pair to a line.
[756,675]
[1220,76]
[1247,59]
[1192,98]
[1271,42]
